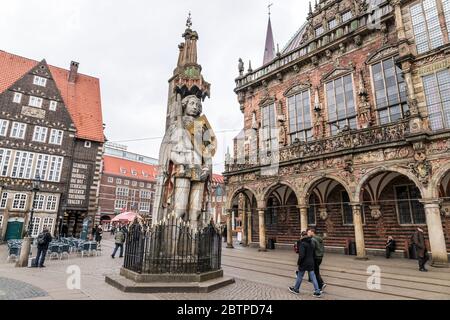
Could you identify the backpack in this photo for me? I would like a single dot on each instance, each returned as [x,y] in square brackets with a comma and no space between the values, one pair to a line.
[41,239]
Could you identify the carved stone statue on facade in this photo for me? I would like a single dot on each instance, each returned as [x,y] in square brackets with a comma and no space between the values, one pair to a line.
[364,113]
[241,67]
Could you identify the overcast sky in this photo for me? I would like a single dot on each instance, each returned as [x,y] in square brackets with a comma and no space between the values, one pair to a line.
[132,47]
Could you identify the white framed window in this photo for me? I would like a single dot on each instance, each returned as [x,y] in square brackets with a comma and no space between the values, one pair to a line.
[426,26]
[133,172]
[126,182]
[1,222]
[341,104]
[17,97]
[3,200]
[5,157]
[145,174]
[110,180]
[38,203]
[22,165]
[48,223]
[52,203]
[145,194]
[300,124]
[42,166]
[35,102]
[20,201]
[144,206]
[141,184]
[134,183]
[149,185]
[39,81]
[56,137]
[118,181]
[123,170]
[122,192]
[36,226]
[18,130]
[87,144]
[120,204]
[53,105]
[40,134]
[4,124]
[54,172]
[347,16]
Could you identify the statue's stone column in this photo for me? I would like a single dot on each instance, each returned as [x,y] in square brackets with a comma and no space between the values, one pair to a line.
[303,217]
[359,232]
[262,230]
[229,231]
[435,233]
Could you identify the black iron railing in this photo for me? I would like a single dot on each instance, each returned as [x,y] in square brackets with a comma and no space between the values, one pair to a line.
[172,246]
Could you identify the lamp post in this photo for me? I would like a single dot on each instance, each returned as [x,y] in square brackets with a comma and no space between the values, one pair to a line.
[27,241]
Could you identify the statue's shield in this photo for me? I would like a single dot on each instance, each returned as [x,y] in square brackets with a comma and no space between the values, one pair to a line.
[203,137]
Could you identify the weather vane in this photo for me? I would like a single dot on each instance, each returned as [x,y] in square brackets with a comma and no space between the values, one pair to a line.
[270,5]
[189,21]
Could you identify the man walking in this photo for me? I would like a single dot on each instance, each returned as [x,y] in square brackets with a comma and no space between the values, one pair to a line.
[119,239]
[306,263]
[43,241]
[318,256]
[421,249]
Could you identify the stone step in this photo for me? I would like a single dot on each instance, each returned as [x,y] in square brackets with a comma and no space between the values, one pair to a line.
[127,285]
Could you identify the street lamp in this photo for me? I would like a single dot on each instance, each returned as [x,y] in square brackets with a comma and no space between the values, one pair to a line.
[36,184]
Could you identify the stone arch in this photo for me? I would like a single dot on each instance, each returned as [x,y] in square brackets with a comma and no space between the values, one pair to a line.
[239,190]
[366,178]
[436,180]
[269,189]
[304,196]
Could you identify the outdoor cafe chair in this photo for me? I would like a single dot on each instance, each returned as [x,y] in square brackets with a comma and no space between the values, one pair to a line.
[13,253]
[54,250]
[64,250]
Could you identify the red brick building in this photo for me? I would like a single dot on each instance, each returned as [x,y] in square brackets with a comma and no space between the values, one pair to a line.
[126,185]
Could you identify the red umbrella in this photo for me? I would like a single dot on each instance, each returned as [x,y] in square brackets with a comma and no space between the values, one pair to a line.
[125,217]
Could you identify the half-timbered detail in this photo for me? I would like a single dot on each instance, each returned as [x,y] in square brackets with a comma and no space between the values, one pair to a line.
[352,117]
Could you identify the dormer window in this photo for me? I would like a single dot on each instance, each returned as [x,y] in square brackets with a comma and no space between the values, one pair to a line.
[123,170]
[35,102]
[87,144]
[17,97]
[53,105]
[145,174]
[39,81]
[133,172]
[319,31]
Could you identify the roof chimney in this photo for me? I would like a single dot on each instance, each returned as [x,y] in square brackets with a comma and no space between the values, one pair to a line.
[73,71]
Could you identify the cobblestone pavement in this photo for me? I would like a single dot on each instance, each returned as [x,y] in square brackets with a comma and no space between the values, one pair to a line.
[258,276]
[15,290]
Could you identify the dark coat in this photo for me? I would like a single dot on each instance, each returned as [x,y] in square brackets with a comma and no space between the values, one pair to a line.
[306,255]
[419,242]
[47,239]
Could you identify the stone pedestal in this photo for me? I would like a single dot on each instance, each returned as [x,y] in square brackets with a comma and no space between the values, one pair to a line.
[24,253]
[129,281]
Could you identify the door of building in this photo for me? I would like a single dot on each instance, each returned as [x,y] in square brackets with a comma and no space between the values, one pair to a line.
[14,230]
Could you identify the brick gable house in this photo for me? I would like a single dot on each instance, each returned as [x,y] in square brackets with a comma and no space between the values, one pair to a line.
[51,128]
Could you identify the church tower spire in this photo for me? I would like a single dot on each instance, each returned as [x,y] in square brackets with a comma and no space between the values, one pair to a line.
[269,48]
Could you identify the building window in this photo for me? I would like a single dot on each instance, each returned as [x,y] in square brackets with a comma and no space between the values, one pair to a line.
[268,127]
[1,222]
[341,104]
[48,223]
[3,200]
[149,185]
[39,81]
[53,105]
[120,204]
[18,130]
[4,127]
[144,206]
[446,6]
[54,173]
[126,182]
[20,201]
[17,97]
[319,31]
[52,203]
[122,192]
[110,180]
[312,209]
[347,211]
[35,227]
[123,170]
[35,102]
[42,166]
[427,29]
[5,157]
[409,209]
[145,194]
[300,126]
[332,24]
[56,137]
[133,172]
[40,134]
[87,144]
[437,93]
[134,183]
[118,181]
[38,203]
[22,165]
[347,16]
[390,91]
[141,184]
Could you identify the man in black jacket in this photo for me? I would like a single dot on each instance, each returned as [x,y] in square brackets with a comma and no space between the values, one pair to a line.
[43,241]
[305,263]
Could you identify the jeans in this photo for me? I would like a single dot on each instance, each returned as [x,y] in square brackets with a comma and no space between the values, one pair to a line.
[317,263]
[299,280]
[40,257]
[423,260]
[118,245]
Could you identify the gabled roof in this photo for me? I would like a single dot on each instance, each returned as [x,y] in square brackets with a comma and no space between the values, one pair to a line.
[294,43]
[125,168]
[81,98]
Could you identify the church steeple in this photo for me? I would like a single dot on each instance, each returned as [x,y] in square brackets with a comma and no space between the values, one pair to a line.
[269,49]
